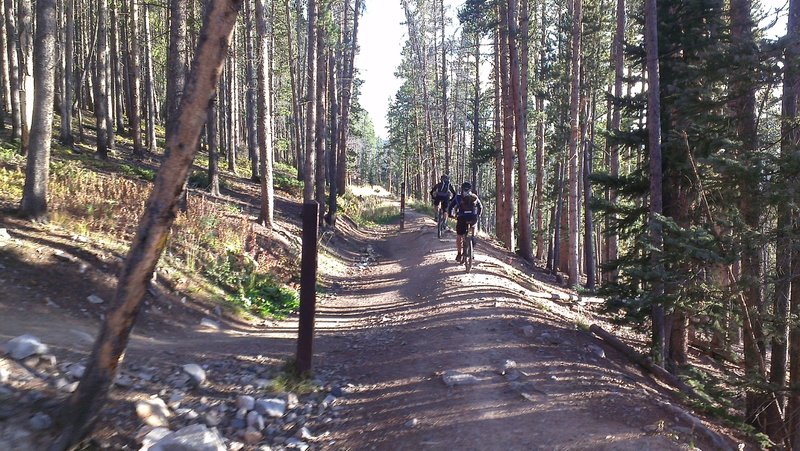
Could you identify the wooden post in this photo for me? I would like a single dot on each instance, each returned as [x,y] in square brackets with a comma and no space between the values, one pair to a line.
[402,205]
[308,288]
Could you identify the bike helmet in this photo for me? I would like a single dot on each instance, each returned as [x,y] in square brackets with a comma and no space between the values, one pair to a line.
[466,186]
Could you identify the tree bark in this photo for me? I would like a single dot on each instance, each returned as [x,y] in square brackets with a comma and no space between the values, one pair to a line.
[25,71]
[213,149]
[176,66]
[12,45]
[252,81]
[133,64]
[311,86]
[34,197]
[507,110]
[573,268]
[101,88]
[266,217]
[149,84]
[320,97]
[85,404]
[347,89]
[66,137]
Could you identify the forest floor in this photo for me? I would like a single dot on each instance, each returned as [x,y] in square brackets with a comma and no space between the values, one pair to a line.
[411,352]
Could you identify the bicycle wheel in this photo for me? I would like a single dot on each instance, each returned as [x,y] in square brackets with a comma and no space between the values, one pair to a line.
[468,257]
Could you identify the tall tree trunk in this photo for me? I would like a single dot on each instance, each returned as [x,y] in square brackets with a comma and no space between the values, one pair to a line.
[176,57]
[266,217]
[213,149]
[85,404]
[311,89]
[540,137]
[588,229]
[332,151]
[502,219]
[115,73]
[654,144]
[518,91]
[25,70]
[321,95]
[133,63]
[101,88]
[347,89]
[296,110]
[66,137]
[573,268]
[12,46]
[34,197]
[445,119]
[618,56]
[149,84]
[4,68]
[507,111]
[251,86]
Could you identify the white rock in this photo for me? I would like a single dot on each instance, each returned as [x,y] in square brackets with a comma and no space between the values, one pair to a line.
[454,378]
[4,375]
[412,423]
[196,437]
[153,412]
[235,446]
[196,372]
[24,346]
[209,323]
[306,434]
[597,351]
[294,443]
[246,402]
[262,383]
[291,400]
[274,407]
[508,365]
[152,437]
[4,236]
[94,299]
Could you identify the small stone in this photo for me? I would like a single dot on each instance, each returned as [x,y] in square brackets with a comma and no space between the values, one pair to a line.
[328,401]
[412,423]
[241,414]
[218,311]
[196,437]
[246,402]
[212,418]
[252,436]
[76,370]
[294,443]
[40,422]
[5,375]
[175,400]
[454,378]
[24,346]
[153,412]
[152,437]
[209,323]
[264,448]
[238,423]
[306,434]
[94,299]
[527,331]
[196,372]
[597,351]
[512,375]
[337,391]
[255,420]
[235,446]
[262,383]
[291,400]
[274,407]
[123,381]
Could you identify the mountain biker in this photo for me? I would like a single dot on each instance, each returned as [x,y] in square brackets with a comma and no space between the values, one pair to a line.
[442,192]
[469,207]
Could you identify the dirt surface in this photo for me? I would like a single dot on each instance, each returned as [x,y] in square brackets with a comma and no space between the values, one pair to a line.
[398,318]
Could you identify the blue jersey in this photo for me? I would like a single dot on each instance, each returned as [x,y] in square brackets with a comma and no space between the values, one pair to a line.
[456,203]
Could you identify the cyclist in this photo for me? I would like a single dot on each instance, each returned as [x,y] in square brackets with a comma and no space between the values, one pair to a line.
[469,207]
[442,192]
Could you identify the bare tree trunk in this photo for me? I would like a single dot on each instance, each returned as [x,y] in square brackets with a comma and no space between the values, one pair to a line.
[332,151]
[4,69]
[618,55]
[266,217]
[101,89]
[573,268]
[149,84]
[296,111]
[25,71]
[347,89]
[320,97]
[115,73]
[507,110]
[85,404]
[311,86]
[445,119]
[654,144]
[176,66]
[12,45]
[251,86]
[133,64]
[517,93]
[66,137]
[213,149]
[34,197]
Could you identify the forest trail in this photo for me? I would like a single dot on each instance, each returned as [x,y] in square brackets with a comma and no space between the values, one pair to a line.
[422,319]
[420,354]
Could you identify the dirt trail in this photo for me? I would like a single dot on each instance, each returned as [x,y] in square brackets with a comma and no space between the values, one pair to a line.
[423,316]
[401,317]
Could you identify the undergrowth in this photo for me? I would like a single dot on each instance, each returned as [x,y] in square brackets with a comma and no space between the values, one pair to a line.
[369,210]
[212,240]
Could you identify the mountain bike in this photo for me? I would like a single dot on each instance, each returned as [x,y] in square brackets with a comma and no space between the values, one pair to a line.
[469,252]
[441,223]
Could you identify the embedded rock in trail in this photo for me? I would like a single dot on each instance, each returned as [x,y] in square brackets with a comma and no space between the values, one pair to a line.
[94,299]
[152,437]
[191,438]
[454,378]
[24,346]
[196,372]
[209,323]
[40,422]
[153,412]
[271,407]
[76,370]
[4,375]
[246,402]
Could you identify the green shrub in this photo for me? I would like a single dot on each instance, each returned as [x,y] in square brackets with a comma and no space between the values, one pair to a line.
[366,210]
[146,174]
[284,177]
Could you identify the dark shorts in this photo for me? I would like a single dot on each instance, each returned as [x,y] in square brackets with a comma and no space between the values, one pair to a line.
[465,219]
[443,200]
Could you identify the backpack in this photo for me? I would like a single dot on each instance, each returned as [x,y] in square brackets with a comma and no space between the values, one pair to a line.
[443,186]
[468,203]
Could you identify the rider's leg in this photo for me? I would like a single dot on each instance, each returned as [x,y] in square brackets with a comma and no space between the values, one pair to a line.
[459,245]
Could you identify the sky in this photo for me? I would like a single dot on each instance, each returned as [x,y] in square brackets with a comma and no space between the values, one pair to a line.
[382,33]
